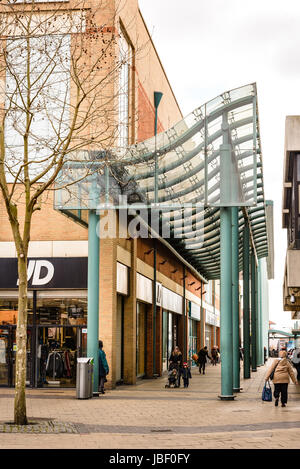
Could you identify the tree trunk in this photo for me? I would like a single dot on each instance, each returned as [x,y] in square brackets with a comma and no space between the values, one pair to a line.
[20,417]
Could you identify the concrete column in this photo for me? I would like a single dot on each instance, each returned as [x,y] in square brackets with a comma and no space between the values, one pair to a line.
[130,322]
[108,304]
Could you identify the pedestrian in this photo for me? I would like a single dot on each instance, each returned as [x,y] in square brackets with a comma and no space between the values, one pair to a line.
[202,357]
[283,371]
[214,356]
[186,375]
[175,361]
[296,361]
[103,368]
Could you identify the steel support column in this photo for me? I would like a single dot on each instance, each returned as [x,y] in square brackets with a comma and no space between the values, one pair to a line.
[246,302]
[226,306]
[253,312]
[93,295]
[260,358]
[235,299]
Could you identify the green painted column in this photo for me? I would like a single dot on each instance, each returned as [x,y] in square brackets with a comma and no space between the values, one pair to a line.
[246,302]
[93,295]
[226,307]
[253,312]
[157,98]
[235,299]
[260,359]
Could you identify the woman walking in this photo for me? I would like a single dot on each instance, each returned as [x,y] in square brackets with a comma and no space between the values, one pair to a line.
[283,371]
[103,367]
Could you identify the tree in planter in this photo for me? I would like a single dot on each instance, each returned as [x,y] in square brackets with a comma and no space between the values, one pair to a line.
[59,76]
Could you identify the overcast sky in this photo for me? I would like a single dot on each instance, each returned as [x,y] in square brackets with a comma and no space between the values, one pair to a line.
[210,47]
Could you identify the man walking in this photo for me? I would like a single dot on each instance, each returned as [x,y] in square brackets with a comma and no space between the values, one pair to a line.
[202,355]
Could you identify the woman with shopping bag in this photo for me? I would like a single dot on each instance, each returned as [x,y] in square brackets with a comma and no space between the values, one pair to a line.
[283,372]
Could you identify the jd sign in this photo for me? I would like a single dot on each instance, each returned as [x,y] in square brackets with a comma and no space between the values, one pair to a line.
[50,272]
[34,270]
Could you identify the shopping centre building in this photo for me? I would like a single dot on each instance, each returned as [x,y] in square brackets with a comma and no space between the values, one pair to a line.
[98,269]
[187,312]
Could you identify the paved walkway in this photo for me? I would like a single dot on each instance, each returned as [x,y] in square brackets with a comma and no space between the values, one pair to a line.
[149,416]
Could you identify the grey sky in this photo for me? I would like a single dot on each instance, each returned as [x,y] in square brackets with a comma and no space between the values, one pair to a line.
[209,47]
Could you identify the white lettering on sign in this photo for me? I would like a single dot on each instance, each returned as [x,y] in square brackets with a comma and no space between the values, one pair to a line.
[34,270]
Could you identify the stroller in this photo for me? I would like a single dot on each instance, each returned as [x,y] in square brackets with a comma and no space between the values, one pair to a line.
[173,376]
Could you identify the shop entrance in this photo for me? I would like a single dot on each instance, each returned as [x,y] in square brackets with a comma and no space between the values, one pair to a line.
[8,352]
[51,355]
[6,355]
[56,337]
[57,350]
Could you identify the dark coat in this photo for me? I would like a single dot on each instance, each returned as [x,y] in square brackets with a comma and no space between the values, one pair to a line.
[186,373]
[103,365]
[176,360]
[202,354]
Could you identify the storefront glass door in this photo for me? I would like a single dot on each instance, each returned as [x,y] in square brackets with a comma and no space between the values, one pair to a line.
[51,363]
[168,338]
[192,340]
[56,336]
[58,348]
[6,356]
[141,340]
[8,350]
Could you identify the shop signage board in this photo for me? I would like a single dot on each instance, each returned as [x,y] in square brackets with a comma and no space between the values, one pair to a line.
[43,273]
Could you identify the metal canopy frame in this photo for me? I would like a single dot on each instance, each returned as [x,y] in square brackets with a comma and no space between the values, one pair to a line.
[209,160]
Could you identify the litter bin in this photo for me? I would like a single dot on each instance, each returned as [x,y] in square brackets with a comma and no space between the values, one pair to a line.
[84,378]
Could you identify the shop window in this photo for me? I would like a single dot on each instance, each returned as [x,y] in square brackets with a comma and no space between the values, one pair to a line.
[141,339]
[50,98]
[56,336]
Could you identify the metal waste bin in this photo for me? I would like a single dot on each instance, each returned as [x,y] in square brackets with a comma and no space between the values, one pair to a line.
[84,378]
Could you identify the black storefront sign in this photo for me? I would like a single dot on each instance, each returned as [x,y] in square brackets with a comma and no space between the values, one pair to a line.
[48,272]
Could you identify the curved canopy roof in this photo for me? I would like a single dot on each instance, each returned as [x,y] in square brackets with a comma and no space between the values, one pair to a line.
[183,176]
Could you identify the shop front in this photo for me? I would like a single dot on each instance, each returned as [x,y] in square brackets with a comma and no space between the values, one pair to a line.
[57,320]
[194,319]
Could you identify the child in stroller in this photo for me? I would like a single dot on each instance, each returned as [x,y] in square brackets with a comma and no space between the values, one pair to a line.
[173,376]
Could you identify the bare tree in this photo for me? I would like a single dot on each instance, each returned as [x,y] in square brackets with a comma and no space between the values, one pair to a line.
[59,72]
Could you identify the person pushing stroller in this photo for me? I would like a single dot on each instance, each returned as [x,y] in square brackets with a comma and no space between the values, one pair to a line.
[175,368]
[173,376]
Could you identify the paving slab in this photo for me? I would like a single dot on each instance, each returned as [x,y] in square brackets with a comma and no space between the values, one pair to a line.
[150,416]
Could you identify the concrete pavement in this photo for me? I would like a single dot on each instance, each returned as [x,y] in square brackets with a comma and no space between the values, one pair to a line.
[148,416]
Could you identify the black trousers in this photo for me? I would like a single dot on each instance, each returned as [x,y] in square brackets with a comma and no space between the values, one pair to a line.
[101,383]
[281,389]
[202,366]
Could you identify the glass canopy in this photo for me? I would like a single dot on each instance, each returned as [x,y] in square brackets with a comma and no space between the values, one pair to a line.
[210,159]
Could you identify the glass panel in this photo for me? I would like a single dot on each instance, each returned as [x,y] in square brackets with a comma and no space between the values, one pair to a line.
[210,159]
[5,348]
[52,346]
[50,95]
[141,339]
[165,341]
